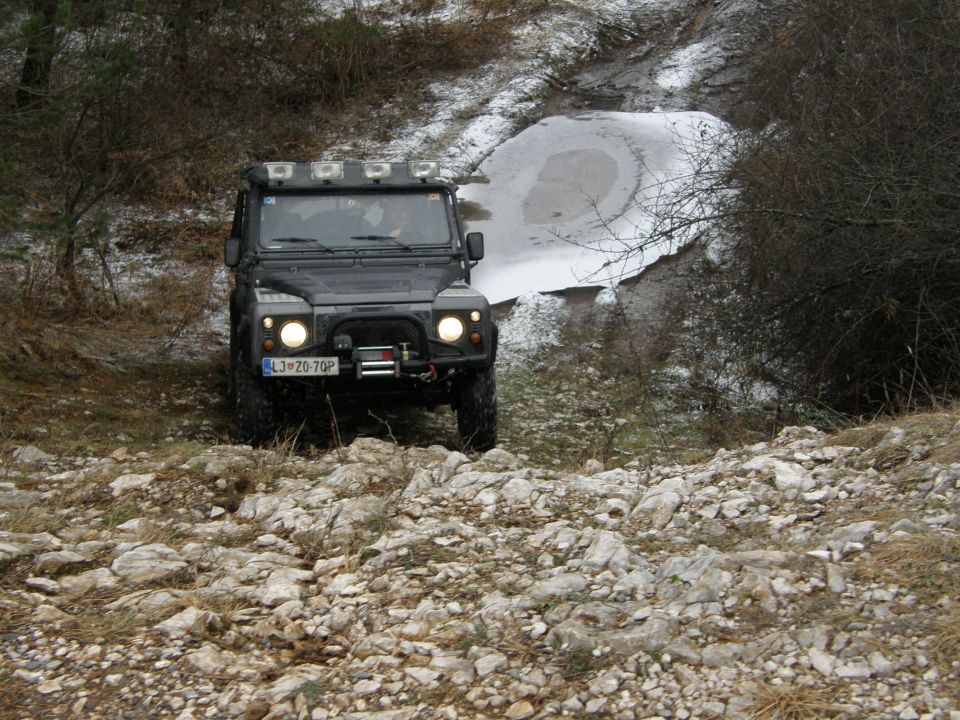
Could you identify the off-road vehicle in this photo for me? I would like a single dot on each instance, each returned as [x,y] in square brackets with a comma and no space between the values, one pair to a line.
[352,291]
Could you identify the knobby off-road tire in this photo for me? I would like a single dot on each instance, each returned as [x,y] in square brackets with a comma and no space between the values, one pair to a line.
[255,409]
[476,405]
[233,360]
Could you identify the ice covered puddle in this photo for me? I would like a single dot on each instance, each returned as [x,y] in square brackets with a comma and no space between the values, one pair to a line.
[569,191]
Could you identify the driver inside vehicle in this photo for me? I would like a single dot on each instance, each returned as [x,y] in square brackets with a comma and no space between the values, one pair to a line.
[398,218]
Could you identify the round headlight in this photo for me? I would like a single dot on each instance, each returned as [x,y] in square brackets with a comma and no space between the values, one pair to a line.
[293,334]
[268,323]
[450,329]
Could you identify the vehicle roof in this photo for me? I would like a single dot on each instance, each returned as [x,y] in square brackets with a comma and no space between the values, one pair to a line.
[353,177]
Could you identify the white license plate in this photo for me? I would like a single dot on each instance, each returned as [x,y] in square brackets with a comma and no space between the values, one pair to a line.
[300,366]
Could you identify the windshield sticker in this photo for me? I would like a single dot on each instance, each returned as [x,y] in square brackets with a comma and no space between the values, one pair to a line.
[269,200]
[433,197]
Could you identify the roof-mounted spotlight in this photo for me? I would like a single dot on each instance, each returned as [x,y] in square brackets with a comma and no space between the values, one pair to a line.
[326,170]
[377,170]
[280,170]
[423,169]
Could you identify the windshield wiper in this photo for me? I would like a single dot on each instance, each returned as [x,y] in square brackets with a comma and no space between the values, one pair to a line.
[316,244]
[387,238]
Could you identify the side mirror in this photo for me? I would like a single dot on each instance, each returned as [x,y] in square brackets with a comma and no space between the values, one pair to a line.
[231,252]
[475,246]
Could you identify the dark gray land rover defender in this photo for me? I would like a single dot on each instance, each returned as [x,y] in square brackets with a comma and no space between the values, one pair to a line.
[352,291]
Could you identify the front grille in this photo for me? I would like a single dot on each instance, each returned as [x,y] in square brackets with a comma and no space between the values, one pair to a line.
[322,322]
[378,332]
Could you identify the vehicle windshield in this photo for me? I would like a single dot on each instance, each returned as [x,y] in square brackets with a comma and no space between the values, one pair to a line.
[332,222]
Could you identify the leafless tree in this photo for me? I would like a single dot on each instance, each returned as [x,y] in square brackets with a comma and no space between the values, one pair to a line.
[842,256]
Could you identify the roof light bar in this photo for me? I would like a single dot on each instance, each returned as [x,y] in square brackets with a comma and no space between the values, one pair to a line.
[423,169]
[280,170]
[326,170]
[377,170]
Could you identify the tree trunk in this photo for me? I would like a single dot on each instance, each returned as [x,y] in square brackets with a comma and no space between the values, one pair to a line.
[182,16]
[35,77]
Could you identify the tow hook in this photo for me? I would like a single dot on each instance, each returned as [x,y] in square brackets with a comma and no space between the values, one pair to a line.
[430,375]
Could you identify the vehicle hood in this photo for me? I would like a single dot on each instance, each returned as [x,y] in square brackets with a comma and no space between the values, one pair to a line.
[368,285]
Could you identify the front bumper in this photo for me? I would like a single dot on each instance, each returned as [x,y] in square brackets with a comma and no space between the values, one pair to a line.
[368,345]
[368,363]
[374,383]
[386,363]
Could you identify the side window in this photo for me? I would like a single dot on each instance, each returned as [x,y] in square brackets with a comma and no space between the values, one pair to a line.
[239,222]
[452,226]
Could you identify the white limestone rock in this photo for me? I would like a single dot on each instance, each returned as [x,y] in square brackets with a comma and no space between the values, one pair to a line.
[822,662]
[53,562]
[283,585]
[558,586]
[126,483]
[85,582]
[30,455]
[148,563]
[190,621]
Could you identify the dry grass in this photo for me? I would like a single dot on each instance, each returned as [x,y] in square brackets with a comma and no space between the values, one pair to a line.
[945,647]
[118,512]
[426,553]
[14,693]
[93,624]
[926,424]
[904,556]
[927,563]
[947,453]
[223,606]
[865,437]
[241,537]
[30,520]
[575,665]
[788,702]
[164,533]
[88,409]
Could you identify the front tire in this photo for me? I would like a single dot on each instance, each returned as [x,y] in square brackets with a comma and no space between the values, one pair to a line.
[255,408]
[476,405]
[233,361]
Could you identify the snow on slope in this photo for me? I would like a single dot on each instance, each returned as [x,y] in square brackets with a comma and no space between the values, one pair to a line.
[565,196]
[472,113]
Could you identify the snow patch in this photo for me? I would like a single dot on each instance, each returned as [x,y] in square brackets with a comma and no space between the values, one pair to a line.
[534,324]
[606,298]
[687,64]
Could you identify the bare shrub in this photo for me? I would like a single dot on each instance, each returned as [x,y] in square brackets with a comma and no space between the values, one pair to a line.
[840,279]
[829,224]
[162,102]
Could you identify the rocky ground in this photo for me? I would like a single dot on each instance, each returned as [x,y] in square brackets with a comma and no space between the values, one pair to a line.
[806,577]
[810,576]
